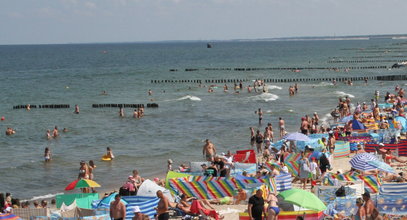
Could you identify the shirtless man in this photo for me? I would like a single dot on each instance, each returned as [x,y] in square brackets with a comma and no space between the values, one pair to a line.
[162,207]
[268,134]
[304,126]
[260,113]
[150,92]
[48,135]
[121,112]
[117,209]
[281,124]
[369,206]
[76,109]
[55,132]
[252,136]
[209,150]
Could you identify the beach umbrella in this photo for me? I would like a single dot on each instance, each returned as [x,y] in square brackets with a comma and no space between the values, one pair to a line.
[346,119]
[81,183]
[9,216]
[381,166]
[105,202]
[296,137]
[402,121]
[303,199]
[360,161]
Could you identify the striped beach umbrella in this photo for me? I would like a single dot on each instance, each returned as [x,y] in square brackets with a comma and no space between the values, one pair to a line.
[360,161]
[382,166]
[81,183]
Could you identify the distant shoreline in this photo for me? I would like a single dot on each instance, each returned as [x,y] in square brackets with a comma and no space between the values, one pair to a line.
[299,38]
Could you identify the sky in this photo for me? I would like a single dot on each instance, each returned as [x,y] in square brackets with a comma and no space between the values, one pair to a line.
[93,21]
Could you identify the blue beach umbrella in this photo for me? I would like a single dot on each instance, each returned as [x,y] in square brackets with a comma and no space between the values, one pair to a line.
[296,137]
[360,162]
[346,119]
[381,166]
[402,121]
[105,202]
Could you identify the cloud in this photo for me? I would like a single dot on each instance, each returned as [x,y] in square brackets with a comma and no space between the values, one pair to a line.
[90,5]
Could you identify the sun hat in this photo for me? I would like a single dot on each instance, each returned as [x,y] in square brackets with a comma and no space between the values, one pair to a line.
[136,209]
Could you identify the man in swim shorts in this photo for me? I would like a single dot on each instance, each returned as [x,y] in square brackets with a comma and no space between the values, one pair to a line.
[209,150]
[117,209]
[162,207]
[281,123]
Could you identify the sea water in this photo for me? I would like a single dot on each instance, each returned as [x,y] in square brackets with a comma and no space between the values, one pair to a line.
[187,114]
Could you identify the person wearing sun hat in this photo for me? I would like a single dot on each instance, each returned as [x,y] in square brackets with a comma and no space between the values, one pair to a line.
[137,213]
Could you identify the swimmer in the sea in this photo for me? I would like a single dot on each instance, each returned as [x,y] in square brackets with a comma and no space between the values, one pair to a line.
[65,130]
[121,112]
[28,107]
[48,135]
[47,154]
[76,109]
[150,92]
[55,132]
[109,153]
[10,131]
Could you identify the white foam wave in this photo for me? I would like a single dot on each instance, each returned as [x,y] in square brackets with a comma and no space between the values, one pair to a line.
[190,97]
[274,87]
[321,84]
[325,119]
[267,97]
[343,94]
[47,196]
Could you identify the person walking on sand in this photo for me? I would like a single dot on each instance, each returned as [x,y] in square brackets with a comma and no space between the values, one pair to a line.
[209,150]
[256,206]
[162,207]
[117,209]
[281,124]
[272,210]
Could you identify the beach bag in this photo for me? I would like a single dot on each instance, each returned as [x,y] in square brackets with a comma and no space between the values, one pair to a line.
[306,168]
[340,192]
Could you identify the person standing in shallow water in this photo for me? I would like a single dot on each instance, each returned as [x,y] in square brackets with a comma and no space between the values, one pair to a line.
[55,133]
[47,154]
[209,150]
[260,114]
[76,109]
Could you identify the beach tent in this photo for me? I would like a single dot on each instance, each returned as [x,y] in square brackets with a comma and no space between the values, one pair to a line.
[357,125]
[149,189]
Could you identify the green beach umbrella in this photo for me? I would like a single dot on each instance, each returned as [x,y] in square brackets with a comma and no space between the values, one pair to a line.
[303,199]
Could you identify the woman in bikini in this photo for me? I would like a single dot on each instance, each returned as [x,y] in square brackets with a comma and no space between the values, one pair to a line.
[272,209]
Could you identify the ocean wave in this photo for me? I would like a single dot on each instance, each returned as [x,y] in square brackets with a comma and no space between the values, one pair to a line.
[274,87]
[267,97]
[343,94]
[190,97]
[322,84]
[47,196]
[325,119]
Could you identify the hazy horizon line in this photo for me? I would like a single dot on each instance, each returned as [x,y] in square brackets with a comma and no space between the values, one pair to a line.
[297,38]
